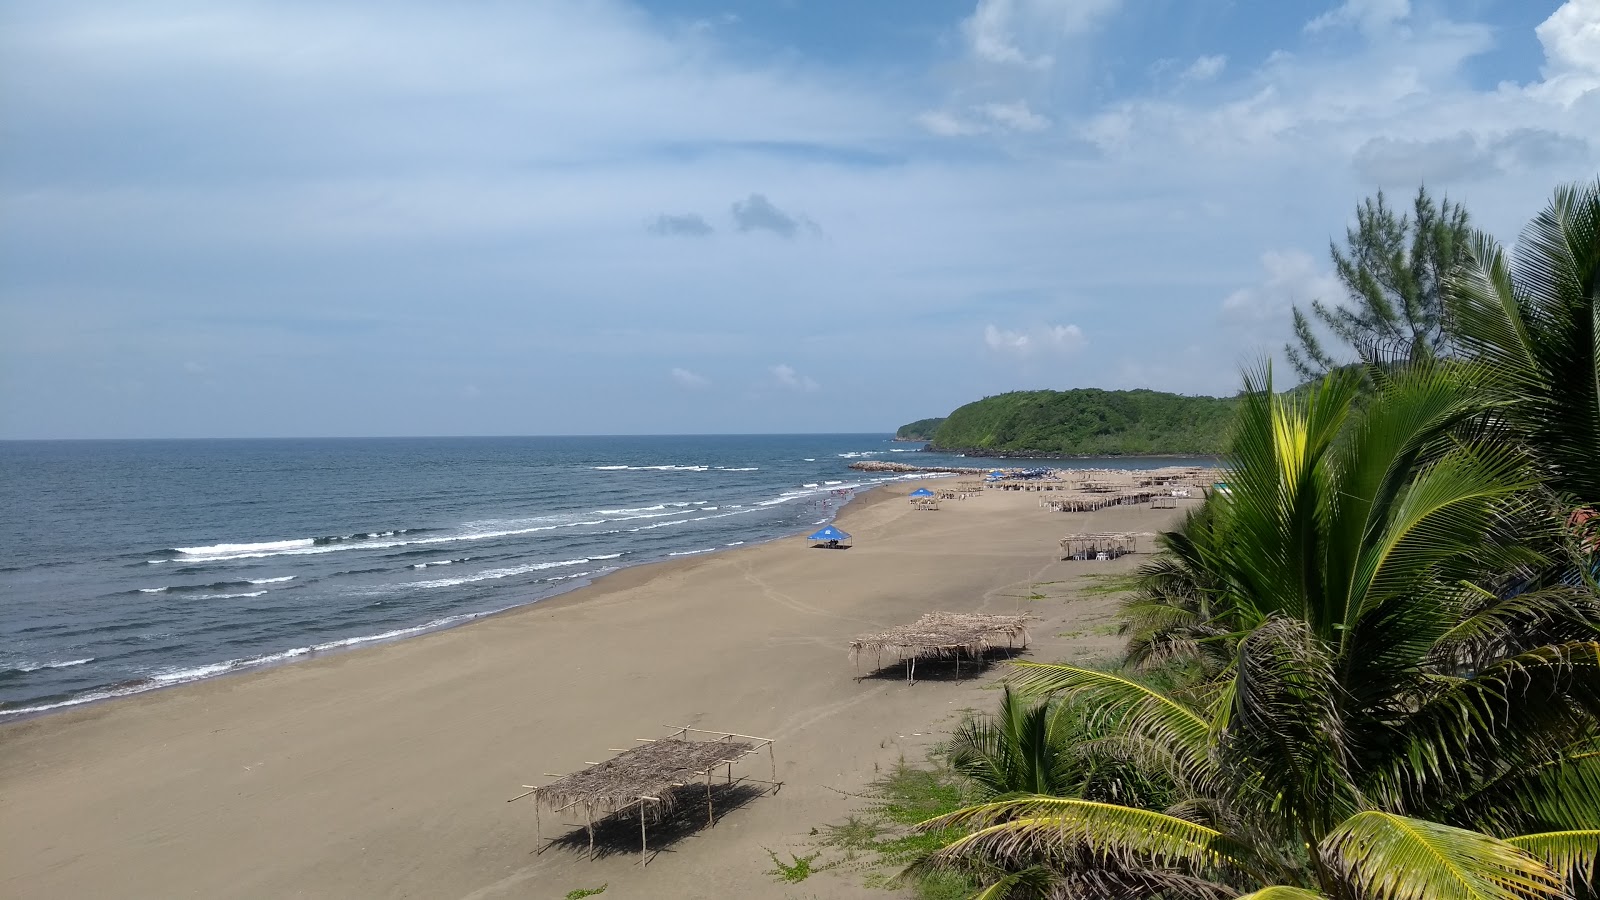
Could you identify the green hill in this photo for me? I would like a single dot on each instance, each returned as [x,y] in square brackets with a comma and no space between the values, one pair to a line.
[920,430]
[1088,422]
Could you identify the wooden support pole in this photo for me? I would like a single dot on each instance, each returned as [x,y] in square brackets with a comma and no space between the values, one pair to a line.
[588,824]
[711,817]
[644,847]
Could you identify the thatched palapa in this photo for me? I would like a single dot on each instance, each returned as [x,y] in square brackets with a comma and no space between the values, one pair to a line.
[943,635]
[651,778]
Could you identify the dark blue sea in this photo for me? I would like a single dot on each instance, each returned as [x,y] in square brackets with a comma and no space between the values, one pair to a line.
[132,565]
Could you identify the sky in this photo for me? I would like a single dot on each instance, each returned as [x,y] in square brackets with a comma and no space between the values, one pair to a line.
[285,218]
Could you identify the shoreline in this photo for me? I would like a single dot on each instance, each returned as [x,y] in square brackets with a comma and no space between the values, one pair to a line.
[294,656]
[386,772]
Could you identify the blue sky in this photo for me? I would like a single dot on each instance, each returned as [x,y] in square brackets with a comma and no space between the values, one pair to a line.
[296,218]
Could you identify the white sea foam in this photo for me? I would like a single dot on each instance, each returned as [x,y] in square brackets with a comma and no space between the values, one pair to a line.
[606,556]
[707,508]
[230,549]
[228,596]
[651,468]
[64,664]
[171,676]
[278,580]
[813,484]
[152,590]
[692,552]
[809,459]
[735,543]
[739,468]
[833,482]
[494,574]
[437,562]
[627,511]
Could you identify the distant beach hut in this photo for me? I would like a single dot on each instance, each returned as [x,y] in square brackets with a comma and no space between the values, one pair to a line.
[830,537]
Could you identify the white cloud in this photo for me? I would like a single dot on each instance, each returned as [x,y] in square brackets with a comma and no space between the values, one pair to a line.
[1371,16]
[1571,41]
[984,118]
[688,379]
[787,377]
[1291,278]
[1015,116]
[946,124]
[1025,32]
[1062,339]
[1205,68]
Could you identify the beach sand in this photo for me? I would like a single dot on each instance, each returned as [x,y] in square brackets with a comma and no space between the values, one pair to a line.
[384,772]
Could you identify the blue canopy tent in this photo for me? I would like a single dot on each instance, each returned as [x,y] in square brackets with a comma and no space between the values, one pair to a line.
[922,492]
[830,536]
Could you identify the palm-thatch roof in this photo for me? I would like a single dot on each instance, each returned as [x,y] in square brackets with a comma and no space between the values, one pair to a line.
[650,770]
[649,778]
[944,635]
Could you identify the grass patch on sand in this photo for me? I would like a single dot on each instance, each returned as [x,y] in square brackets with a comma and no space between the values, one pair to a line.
[580,893]
[879,838]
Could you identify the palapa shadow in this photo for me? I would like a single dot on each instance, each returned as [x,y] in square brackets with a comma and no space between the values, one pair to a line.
[618,833]
[944,668]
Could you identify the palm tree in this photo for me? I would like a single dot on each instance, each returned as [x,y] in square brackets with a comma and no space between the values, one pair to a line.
[1384,727]
[1025,748]
[1531,327]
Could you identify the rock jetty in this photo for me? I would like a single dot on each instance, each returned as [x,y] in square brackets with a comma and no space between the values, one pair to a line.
[874,465]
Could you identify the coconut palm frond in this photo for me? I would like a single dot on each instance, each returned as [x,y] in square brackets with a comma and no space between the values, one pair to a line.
[1523,710]
[1282,892]
[1029,829]
[1573,854]
[1112,704]
[1388,857]
[1497,627]
[1286,730]
[1531,328]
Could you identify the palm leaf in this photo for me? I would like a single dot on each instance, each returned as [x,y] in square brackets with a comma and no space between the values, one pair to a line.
[1389,857]
[1029,829]
[1575,854]
[1283,892]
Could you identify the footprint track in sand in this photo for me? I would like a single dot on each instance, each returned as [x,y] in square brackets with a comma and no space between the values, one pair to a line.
[788,602]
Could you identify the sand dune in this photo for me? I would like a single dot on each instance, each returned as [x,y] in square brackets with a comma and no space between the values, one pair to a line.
[384,772]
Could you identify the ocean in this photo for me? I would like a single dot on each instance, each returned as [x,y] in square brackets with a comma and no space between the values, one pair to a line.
[133,565]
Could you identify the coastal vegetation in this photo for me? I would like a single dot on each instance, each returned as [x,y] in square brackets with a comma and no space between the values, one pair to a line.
[920,430]
[1393,269]
[1087,422]
[1370,670]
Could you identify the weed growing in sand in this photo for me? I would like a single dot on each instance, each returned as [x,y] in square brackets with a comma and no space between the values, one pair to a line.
[796,871]
[880,838]
[581,893]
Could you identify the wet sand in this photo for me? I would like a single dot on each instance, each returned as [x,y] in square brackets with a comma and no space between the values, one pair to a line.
[384,772]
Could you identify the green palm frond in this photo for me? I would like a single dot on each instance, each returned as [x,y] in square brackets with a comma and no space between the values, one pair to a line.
[1573,854]
[1531,328]
[1388,857]
[1113,705]
[1563,793]
[1282,892]
[1286,735]
[1527,708]
[1030,829]
[1496,627]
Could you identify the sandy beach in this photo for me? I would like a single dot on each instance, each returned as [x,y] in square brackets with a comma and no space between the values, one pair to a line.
[384,772]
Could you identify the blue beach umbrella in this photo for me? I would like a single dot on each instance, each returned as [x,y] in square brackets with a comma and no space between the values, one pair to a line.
[922,492]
